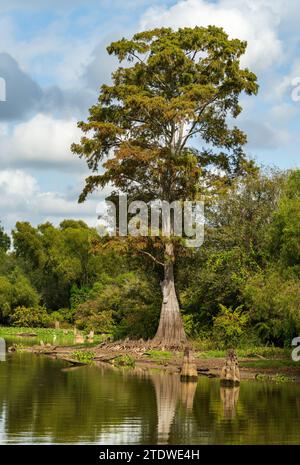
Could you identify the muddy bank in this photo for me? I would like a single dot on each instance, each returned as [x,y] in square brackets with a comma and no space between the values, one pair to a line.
[210,367]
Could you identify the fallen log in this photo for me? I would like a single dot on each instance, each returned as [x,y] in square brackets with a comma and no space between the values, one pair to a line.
[73,362]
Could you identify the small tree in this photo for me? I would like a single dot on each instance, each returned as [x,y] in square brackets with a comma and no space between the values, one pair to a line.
[4,240]
[177,85]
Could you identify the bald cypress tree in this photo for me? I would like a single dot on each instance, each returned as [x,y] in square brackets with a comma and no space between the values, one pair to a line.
[176,87]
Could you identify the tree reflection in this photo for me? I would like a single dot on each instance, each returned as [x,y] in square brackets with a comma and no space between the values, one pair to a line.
[229,397]
[43,401]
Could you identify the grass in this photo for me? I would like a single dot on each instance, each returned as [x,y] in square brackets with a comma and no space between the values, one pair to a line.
[63,337]
[159,356]
[278,378]
[84,357]
[251,352]
[124,361]
[211,354]
[284,363]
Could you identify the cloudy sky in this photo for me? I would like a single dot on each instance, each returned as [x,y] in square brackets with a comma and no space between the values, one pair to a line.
[53,60]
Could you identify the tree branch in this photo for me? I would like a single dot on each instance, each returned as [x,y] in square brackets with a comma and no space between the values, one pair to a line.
[152,257]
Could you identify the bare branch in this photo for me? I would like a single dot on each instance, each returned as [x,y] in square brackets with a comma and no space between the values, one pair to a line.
[152,257]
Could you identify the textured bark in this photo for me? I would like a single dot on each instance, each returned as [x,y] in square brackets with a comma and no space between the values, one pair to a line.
[170,331]
[189,369]
[230,374]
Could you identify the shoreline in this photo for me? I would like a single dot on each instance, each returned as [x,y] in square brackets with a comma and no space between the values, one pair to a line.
[208,366]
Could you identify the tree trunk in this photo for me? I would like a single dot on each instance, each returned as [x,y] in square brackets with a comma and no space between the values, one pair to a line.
[170,331]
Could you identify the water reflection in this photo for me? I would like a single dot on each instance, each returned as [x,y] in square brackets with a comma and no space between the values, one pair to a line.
[229,397]
[43,401]
[2,350]
[169,390]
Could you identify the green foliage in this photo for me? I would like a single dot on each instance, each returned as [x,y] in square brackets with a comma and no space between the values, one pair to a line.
[127,305]
[191,76]
[274,306]
[83,356]
[229,326]
[4,240]
[56,259]
[78,295]
[16,290]
[30,317]
[249,260]
[284,231]
[159,356]
[124,361]
[66,315]
[271,363]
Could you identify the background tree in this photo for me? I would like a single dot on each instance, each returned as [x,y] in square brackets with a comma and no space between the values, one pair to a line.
[4,240]
[181,84]
[236,248]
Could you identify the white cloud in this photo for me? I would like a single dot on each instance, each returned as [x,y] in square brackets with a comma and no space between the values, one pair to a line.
[22,199]
[50,55]
[41,142]
[16,185]
[256,21]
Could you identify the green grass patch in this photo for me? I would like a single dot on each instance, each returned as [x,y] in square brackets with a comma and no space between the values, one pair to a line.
[270,364]
[62,337]
[278,378]
[84,357]
[211,354]
[159,356]
[251,352]
[124,361]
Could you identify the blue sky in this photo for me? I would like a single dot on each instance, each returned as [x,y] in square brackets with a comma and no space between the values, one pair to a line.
[53,60]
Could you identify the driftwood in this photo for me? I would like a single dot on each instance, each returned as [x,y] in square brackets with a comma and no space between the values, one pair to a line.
[189,369]
[73,362]
[230,374]
[105,359]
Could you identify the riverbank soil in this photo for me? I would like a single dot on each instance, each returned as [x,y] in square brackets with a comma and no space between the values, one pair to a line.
[149,358]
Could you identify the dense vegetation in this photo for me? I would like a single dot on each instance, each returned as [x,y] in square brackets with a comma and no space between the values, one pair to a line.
[241,287]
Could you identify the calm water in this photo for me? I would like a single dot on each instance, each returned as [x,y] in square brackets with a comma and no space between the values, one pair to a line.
[42,401]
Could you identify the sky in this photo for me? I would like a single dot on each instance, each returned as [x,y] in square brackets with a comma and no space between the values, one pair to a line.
[53,60]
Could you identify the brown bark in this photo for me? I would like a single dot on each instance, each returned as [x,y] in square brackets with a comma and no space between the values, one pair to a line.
[189,369]
[170,331]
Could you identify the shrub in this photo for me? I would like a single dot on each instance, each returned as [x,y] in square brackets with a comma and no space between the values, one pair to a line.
[84,357]
[63,315]
[90,315]
[127,305]
[16,291]
[229,327]
[124,361]
[274,304]
[30,317]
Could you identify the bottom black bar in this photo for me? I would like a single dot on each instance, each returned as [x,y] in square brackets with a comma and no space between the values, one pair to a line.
[140,454]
